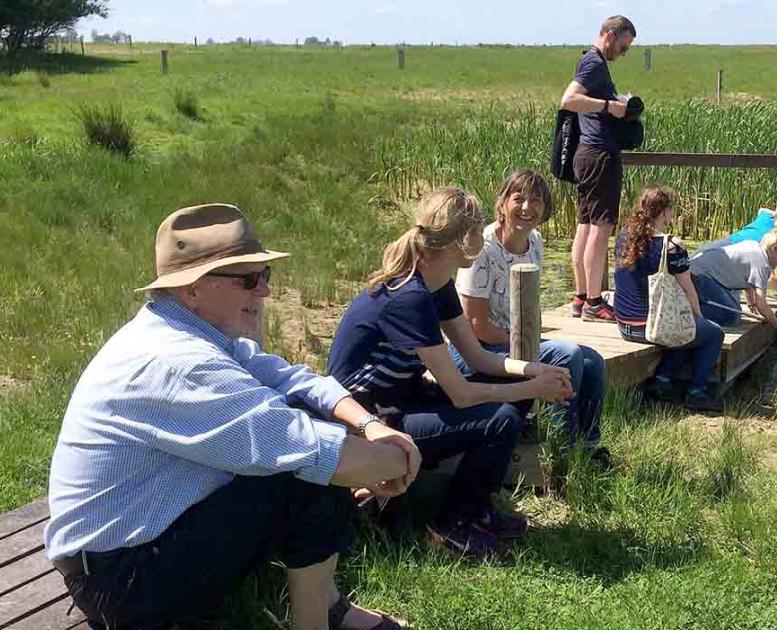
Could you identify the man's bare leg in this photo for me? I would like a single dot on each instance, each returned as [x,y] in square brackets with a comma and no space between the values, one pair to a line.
[595,256]
[309,596]
[578,252]
[312,592]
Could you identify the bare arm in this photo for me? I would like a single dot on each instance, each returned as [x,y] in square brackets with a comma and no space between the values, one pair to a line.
[763,308]
[686,284]
[576,99]
[552,386]
[478,312]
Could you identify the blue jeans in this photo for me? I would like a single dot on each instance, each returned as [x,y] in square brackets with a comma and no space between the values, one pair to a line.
[709,289]
[484,434]
[586,368]
[702,352]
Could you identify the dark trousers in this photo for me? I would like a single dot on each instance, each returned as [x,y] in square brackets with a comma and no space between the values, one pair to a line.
[193,564]
[485,436]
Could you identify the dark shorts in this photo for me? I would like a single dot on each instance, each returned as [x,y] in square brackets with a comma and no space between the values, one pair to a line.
[599,177]
[197,561]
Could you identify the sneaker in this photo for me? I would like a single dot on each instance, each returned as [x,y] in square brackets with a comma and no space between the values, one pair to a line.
[461,537]
[577,306]
[600,455]
[702,401]
[602,312]
[503,525]
[661,390]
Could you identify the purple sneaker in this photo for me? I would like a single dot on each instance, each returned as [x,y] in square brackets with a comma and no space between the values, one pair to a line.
[463,538]
[503,525]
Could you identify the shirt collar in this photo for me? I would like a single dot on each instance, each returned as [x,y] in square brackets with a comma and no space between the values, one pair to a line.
[170,309]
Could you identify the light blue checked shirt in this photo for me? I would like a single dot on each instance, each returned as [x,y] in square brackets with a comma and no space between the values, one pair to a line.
[170,410]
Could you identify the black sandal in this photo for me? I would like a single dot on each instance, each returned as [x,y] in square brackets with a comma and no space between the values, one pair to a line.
[340,608]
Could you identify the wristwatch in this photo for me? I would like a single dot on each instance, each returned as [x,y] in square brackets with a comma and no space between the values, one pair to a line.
[606,106]
[365,420]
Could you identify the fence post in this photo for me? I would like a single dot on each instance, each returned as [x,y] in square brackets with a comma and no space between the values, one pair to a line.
[249,42]
[401,59]
[129,40]
[525,323]
[83,52]
[525,312]
[195,41]
[164,62]
[719,86]
[648,60]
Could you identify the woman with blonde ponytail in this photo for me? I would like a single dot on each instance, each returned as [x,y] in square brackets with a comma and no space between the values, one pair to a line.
[638,253]
[392,333]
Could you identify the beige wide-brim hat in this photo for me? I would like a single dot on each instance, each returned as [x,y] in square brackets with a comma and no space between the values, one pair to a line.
[196,240]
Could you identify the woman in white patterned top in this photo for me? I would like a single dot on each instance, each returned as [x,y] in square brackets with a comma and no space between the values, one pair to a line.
[524,203]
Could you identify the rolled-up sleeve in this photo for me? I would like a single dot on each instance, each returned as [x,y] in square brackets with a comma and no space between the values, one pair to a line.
[300,385]
[219,415]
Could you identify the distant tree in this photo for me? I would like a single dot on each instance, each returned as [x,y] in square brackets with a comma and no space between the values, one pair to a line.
[28,23]
[240,40]
[312,41]
[209,41]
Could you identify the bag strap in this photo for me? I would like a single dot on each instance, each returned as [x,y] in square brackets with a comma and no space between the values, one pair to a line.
[662,264]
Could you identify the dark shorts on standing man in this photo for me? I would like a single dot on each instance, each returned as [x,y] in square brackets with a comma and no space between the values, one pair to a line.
[599,177]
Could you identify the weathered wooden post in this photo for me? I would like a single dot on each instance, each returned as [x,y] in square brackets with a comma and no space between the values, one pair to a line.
[648,60]
[525,324]
[719,86]
[401,59]
[164,62]
[129,40]
[83,52]
[195,41]
[525,312]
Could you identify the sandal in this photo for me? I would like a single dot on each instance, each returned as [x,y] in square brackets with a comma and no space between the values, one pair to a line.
[340,608]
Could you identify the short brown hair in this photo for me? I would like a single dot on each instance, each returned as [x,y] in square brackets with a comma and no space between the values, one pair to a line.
[530,184]
[619,25]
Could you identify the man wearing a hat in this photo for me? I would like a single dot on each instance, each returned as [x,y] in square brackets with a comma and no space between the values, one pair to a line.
[187,456]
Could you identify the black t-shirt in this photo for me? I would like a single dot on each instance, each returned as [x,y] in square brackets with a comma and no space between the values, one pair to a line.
[594,75]
[373,352]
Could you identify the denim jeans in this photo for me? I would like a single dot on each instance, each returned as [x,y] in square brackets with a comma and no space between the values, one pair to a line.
[485,436]
[702,352]
[586,368]
[709,289]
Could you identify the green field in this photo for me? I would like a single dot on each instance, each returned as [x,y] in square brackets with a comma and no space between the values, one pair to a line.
[325,149]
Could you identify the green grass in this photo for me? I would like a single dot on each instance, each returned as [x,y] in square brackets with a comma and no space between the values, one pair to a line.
[323,148]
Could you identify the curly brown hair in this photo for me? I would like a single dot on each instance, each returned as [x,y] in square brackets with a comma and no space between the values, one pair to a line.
[639,226]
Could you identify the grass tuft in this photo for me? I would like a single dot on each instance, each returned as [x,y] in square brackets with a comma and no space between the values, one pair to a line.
[108,127]
[186,104]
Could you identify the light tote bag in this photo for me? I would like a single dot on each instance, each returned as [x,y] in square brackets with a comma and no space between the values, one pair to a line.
[670,320]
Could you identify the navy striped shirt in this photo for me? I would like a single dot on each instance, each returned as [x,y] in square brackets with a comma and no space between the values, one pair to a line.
[373,352]
[169,411]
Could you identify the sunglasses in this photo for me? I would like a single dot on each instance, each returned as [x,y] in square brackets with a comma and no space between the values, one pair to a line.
[250,280]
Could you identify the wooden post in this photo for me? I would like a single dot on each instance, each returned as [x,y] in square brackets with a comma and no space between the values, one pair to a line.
[648,60]
[195,41]
[525,312]
[129,40]
[525,325]
[164,62]
[401,59]
[83,52]
[719,86]
[249,42]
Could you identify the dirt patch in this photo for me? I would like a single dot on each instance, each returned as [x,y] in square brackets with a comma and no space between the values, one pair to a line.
[306,331]
[759,432]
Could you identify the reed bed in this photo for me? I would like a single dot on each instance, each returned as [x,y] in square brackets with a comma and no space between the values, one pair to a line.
[475,152]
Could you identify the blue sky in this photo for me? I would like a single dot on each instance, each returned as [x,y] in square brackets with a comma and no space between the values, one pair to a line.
[440,21]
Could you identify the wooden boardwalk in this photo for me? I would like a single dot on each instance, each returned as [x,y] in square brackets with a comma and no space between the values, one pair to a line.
[32,592]
[628,364]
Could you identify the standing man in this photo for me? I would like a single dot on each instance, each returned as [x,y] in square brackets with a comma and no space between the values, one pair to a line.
[188,455]
[597,164]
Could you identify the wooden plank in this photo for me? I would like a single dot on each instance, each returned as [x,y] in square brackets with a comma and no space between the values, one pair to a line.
[25,516]
[23,543]
[18,573]
[53,617]
[31,598]
[717,160]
